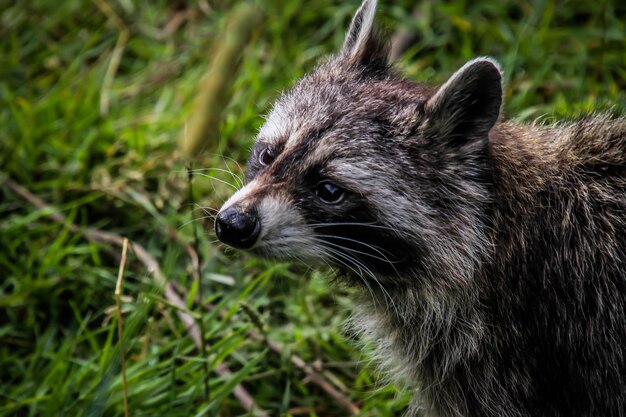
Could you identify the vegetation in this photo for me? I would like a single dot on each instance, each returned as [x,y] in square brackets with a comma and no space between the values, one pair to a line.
[93,96]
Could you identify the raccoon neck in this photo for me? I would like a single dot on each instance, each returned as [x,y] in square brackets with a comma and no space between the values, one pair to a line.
[438,317]
[418,334]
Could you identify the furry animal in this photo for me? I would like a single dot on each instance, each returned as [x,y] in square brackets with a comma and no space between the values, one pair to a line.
[490,256]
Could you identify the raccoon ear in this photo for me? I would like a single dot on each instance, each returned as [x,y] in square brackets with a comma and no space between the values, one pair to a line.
[363,45]
[468,104]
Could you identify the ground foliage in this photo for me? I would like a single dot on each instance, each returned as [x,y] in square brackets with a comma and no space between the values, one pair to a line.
[115,167]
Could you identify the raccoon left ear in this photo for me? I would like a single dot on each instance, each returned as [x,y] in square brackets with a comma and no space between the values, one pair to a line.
[363,46]
[468,104]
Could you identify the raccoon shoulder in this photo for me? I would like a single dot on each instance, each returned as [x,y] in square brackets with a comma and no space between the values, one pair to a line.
[586,146]
[595,142]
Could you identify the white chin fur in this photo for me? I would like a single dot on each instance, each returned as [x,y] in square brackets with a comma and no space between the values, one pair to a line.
[284,233]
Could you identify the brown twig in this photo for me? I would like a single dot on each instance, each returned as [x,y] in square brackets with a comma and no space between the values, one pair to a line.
[299,363]
[120,324]
[313,376]
[151,264]
[245,399]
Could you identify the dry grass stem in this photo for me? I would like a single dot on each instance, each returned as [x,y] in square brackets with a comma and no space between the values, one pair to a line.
[151,264]
[120,324]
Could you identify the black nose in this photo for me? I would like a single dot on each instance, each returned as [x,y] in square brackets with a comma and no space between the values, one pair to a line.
[237,228]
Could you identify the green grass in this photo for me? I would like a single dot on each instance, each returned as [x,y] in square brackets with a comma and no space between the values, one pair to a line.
[120,172]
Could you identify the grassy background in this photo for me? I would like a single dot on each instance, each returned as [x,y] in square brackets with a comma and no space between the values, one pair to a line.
[116,168]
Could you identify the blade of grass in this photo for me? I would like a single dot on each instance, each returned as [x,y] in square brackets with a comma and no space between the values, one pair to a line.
[120,324]
[246,400]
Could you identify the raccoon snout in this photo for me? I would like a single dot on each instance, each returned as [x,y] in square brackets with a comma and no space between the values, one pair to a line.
[237,228]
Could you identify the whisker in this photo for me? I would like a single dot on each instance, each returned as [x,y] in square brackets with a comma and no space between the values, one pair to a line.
[207,210]
[223,157]
[373,247]
[364,268]
[333,254]
[230,159]
[360,252]
[236,177]
[240,181]
[216,179]
[367,245]
[195,220]
[370,225]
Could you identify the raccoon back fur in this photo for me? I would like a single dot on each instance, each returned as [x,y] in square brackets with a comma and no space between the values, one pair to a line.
[490,256]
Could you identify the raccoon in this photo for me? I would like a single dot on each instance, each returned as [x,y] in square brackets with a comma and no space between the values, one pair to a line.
[488,257]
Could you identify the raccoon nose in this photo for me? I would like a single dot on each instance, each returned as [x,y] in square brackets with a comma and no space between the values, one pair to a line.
[237,228]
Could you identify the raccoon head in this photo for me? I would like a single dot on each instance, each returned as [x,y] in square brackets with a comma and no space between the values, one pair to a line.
[373,174]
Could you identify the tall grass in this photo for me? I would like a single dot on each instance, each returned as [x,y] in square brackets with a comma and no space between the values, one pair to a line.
[92,98]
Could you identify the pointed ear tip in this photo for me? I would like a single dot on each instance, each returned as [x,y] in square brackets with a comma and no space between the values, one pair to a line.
[370,3]
[483,75]
[367,6]
[362,35]
[486,62]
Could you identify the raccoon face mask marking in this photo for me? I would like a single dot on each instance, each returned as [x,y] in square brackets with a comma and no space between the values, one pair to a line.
[347,169]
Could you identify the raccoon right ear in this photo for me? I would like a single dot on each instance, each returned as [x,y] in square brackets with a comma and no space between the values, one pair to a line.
[363,46]
[468,104]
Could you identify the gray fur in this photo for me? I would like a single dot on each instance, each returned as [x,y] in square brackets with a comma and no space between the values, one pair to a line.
[490,256]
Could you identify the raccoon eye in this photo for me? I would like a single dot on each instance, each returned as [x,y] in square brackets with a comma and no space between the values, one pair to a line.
[266,157]
[329,193]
